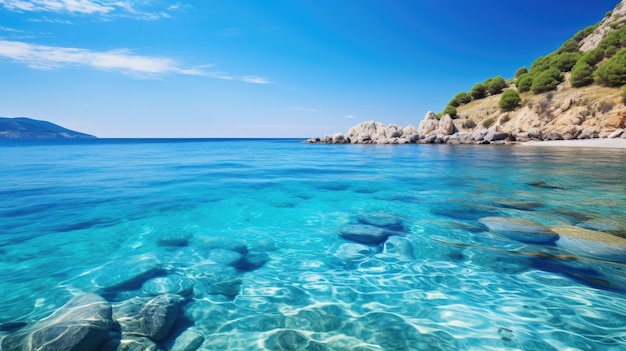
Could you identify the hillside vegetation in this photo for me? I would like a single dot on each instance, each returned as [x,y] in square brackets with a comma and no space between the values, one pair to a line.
[576,91]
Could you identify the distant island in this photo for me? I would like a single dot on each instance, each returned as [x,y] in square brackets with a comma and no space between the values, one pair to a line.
[576,92]
[22,128]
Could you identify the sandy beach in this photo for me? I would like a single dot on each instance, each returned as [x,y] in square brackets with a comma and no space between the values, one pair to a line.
[616,143]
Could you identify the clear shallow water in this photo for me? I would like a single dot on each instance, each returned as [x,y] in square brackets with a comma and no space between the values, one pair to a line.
[71,213]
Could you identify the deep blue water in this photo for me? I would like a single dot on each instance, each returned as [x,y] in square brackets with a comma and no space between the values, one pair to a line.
[80,216]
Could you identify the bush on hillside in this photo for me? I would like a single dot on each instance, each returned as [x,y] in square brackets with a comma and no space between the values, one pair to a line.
[592,57]
[582,75]
[581,34]
[478,91]
[624,94]
[541,64]
[570,45]
[510,100]
[613,42]
[613,72]
[460,99]
[547,80]
[450,110]
[524,82]
[565,61]
[495,85]
[520,71]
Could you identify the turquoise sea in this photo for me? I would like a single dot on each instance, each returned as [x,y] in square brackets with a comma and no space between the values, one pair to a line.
[279,245]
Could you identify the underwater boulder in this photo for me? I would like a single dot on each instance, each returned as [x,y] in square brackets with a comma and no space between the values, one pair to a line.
[520,229]
[399,247]
[382,220]
[158,316]
[591,243]
[189,340]
[363,233]
[83,324]
[170,284]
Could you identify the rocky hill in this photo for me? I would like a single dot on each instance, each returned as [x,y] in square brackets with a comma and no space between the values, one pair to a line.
[594,108]
[23,127]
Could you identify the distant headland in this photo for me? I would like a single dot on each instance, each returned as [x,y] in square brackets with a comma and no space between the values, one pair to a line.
[24,128]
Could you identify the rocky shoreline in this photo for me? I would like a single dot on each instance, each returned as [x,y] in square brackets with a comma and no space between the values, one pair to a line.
[432,130]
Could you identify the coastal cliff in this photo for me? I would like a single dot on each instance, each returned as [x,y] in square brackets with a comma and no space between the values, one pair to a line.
[575,92]
[22,127]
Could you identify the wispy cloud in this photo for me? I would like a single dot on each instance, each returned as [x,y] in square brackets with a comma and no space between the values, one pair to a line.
[255,79]
[71,6]
[350,117]
[45,57]
[312,110]
[127,8]
[124,61]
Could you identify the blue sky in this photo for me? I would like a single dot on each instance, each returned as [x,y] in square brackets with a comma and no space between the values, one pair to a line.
[270,68]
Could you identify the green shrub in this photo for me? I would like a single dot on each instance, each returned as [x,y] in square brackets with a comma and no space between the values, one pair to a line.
[505,118]
[495,85]
[613,72]
[592,57]
[585,32]
[520,71]
[450,110]
[510,100]
[488,122]
[624,94]
[547,80]
[610,51]
[570,45]
[460,99]
[582,74]
[478,91]
[565,61]
[463,98]
[524,82]
[541,64]
[613,42]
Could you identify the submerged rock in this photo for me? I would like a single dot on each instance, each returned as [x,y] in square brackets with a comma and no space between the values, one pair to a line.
[354,251]
[189,340]
[174,284]
[591,243]
[286,340]
[399,248]
[158,316]
[382,220]
[83,324]
[178,239]
[520,229]
[129,273]
[363,233]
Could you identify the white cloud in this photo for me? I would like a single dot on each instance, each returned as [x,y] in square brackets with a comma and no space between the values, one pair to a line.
[255,79]
[52,57]
[312,110]
[127,8]
[45,57]
[350,116]
[72,6]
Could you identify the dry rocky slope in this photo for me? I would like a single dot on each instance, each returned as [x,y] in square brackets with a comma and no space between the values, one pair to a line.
[567,113]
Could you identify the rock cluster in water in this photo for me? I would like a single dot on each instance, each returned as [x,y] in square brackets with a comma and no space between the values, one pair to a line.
[139,303]
[145,304]
[432,130]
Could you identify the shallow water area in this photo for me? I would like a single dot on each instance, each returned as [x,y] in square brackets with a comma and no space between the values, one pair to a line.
[277,245]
